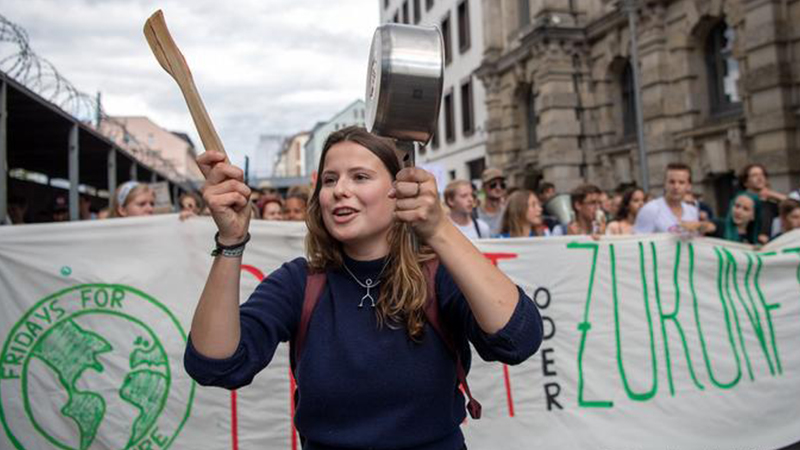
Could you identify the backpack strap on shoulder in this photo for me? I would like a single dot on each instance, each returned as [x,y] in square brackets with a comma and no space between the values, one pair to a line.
[477,228]
[432,315]
[315,283]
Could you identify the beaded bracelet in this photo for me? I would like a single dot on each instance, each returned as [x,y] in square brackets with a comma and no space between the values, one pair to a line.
[229,251]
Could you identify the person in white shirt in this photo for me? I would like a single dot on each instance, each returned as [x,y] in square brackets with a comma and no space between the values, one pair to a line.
[458,197]
[670,214]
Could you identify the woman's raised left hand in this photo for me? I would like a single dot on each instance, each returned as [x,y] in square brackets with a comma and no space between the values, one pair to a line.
[417,201]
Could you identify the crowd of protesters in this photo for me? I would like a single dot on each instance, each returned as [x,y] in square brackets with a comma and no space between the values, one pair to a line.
[133,199]
[756,213]
[265,204]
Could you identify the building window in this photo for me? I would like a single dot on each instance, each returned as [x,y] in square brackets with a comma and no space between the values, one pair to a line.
[467,109]
[476,168]
[448,48]
[428,5]
[463,26]
[385,4]
[723,70]
[449,120]
[524,13]
[396,18]
[452,175]
[628,101]
[417,12]
[435,137]
[531,119]
[405,12]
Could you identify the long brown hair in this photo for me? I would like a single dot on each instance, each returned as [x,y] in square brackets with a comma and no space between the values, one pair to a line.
[515,216]
[402,297]
[625,206]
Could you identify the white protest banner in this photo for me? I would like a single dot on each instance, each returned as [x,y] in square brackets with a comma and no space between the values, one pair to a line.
[650,343]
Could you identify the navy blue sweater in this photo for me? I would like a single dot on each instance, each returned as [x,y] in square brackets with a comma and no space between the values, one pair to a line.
[363,386]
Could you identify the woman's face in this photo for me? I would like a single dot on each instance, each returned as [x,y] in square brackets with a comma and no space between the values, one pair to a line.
[534,214]
[295,209]
[756,179]
[140,205]
[272,211]
[189,204]
[354,199]
[792,221]
[743,210]
[637,201]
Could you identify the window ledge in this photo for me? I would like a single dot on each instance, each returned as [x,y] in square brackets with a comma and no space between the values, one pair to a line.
[713,125]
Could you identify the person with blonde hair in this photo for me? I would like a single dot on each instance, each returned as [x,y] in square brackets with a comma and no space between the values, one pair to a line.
[523,216]
[134,199]
[459,198]
[369,364]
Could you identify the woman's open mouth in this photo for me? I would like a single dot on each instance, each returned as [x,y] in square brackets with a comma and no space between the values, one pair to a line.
[344,214]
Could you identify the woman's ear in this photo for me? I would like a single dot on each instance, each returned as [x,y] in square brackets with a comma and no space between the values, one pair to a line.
[121,211]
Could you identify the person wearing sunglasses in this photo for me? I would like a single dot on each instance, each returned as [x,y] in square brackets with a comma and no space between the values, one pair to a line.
[494,189]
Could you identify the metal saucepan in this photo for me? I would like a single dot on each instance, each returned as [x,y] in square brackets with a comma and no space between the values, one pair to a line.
[404,82]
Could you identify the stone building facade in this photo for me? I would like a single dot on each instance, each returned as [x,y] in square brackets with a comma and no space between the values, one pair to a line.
[720,88]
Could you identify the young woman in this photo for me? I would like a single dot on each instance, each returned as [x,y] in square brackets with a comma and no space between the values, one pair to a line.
[271,207]
[523,216]
[371,371]
[134,199]
[790,215]
[190,204]
[632,200]
[296,204]
[190,201]
[743,222]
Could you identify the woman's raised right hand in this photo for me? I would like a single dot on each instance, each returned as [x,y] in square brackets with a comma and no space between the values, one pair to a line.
[226,196]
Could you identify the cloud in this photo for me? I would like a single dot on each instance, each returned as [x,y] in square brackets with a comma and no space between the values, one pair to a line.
[261,66]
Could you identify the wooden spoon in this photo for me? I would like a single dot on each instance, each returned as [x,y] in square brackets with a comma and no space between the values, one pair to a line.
[169,56]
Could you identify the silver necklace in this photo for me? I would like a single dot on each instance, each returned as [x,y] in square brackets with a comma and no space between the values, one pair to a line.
[367,284]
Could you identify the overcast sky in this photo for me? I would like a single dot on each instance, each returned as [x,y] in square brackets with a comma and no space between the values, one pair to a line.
[261,66]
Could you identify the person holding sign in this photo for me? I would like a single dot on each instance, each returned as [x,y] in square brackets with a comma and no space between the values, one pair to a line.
[670,213]
[373,370]
[743,222]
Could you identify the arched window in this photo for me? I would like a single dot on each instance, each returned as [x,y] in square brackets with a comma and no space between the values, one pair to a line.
[628,101]
[722,69]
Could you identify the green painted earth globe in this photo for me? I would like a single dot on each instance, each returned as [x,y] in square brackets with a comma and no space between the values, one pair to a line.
[98,377]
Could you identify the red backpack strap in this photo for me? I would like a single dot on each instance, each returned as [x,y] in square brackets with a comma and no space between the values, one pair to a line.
[432,315]
[315,283]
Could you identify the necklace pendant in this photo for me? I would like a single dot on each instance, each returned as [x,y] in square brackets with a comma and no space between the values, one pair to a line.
[371,300]
[367,284]
[367,296]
